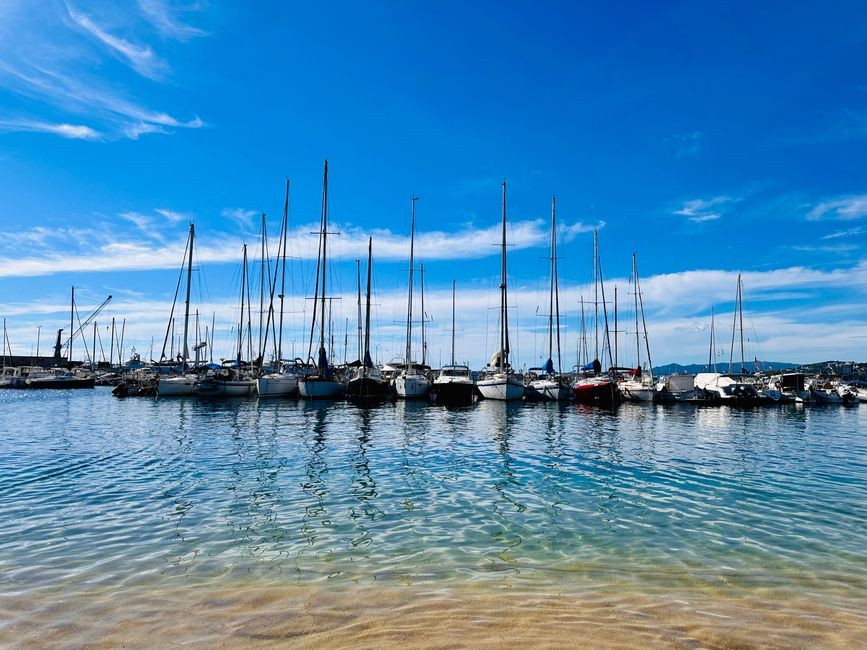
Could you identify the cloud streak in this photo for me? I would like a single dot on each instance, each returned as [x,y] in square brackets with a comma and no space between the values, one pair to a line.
[845,208]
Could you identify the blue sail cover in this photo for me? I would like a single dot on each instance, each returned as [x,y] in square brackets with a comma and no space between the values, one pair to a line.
[368,362]
[589,366]
[549,366]
[324,369]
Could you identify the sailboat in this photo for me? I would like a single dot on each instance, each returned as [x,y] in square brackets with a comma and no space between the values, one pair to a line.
[639,386]
[411,382]
[321,384]
[283,382]
[185,384]
[367,385]
[549,388]
[502,383]
[597,389]
[454,384]
[229,381]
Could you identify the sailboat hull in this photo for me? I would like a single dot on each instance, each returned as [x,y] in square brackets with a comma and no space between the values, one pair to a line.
[366,390]
[277,385]
[453,393]
[314,387]
[412,386]
[177,387]
[602,393]
[501,388]
[225,388]
[546,390]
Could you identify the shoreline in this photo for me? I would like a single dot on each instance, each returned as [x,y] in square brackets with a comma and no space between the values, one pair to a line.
[327,615]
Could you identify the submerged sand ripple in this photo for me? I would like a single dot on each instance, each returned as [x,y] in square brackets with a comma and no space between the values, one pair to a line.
[395,616]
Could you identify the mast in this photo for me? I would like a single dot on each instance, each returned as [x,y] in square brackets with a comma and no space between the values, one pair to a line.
[711,360]
[635,296]
[322,361]
[262,295]
[283,271]
[241,321]
[186,351]
[120,348]
[367,361]
[596,292]
[616,331]
[553,272]
[93,355]
[71,325]
[409,298]
[643,320]
[358,277]
[110,351]
[423,341]
[741,317]
[454,282]
[504,298]
[735,326]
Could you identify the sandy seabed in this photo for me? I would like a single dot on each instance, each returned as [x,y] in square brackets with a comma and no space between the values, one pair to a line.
[394,616]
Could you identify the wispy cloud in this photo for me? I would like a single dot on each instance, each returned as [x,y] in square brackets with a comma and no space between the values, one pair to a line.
[71,131]
[172,215]
[243,218]
[701,210]
[849,232]
[843,208]
[44,60]
[140,57]
[163,17]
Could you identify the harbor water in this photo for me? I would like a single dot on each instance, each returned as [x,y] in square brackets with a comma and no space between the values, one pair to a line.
[153,521]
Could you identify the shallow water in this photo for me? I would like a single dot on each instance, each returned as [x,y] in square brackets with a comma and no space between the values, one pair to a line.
[708,525]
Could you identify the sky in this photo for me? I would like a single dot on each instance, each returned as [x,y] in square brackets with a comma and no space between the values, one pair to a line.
[711,139]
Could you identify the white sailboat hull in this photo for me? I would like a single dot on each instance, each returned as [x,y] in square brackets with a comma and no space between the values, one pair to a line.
[634,391]
[411,386]
[547,390]
[177,386]
[501,387]
[277,385]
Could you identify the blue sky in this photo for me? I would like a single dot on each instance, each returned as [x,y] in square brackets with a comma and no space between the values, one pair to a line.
[712,138]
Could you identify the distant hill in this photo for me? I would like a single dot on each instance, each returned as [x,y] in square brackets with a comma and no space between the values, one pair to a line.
[694,368]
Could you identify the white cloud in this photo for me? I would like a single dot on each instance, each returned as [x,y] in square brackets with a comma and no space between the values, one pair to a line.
[698,210]
[162,16]
[844,208]
[71,131]
[243,218]
[172,215]
[140,57]
[849,232]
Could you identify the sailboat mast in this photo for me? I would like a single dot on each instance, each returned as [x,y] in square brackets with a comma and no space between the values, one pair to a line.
[635,297]
[454,283]
[186,352]
[504,298]
[734,324]
[409,299]
[71,325]
[423,341]
[283,272]
[557,303]
[324,257]
[367,306]
[616,331]
[711,360]
[741,317]
[262,293]
[596,293]
[553,272]
[643,319]
[241,320]
[358,278]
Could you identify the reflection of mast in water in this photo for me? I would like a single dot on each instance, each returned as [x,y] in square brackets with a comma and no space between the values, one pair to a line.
[315,468]
[363,488]
[555,477]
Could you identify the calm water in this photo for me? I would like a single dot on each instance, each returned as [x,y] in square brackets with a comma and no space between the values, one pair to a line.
[104,494]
